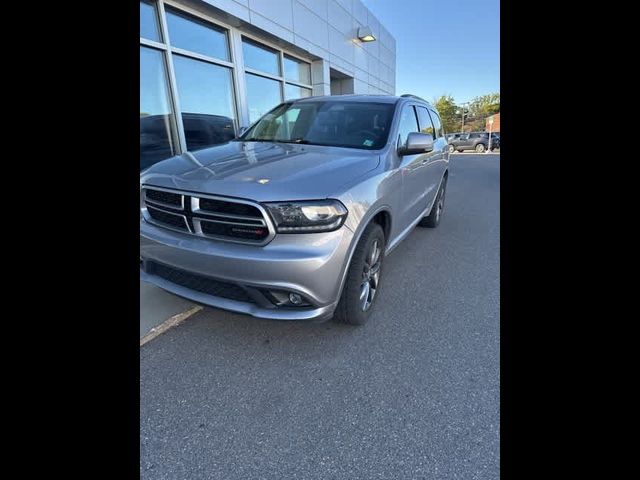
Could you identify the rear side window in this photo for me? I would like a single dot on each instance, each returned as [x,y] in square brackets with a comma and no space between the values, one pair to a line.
[425,121]
[408,124]
[437,124]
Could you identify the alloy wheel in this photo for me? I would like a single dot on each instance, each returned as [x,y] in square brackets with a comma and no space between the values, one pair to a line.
[370,276]
[440,204]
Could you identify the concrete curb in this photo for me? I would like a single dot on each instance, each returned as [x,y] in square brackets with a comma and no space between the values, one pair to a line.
[170,323]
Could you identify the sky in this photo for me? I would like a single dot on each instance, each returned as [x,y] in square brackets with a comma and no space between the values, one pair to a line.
[443,47]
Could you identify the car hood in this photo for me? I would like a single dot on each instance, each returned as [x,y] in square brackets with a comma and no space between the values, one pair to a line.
[263,171]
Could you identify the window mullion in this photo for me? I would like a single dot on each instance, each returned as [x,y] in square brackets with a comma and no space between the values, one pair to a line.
[282,82]
[173,88]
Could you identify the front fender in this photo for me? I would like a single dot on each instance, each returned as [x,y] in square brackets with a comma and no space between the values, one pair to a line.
[364,201]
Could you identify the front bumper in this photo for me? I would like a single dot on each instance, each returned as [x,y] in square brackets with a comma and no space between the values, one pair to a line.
[311,265]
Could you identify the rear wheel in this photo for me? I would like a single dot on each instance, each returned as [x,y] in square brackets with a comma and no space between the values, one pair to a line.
[451,149]
[363,278]
[480,148]
[433,219]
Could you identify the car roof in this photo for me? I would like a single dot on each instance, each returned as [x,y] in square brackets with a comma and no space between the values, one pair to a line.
[349,98]
[364,98]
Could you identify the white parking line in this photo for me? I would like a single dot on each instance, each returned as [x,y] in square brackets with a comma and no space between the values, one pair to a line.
[170,323]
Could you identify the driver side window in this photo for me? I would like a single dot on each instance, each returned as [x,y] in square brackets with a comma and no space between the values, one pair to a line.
[408,124]
[425,122]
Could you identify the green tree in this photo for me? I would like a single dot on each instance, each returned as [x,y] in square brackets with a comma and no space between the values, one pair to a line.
[484,105]
[447,109]
[480,108]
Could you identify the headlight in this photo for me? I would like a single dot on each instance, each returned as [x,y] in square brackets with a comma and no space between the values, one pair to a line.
[307,217]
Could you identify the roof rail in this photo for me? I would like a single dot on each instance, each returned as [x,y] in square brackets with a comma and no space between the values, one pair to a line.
[408,95]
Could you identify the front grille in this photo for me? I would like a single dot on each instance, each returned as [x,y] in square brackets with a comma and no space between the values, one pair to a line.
[199,283]
[236,231]
[166,218]
[219,218]
[168,198]
[224,207]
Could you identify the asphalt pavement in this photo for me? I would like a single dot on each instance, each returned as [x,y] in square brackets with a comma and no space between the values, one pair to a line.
[413,394]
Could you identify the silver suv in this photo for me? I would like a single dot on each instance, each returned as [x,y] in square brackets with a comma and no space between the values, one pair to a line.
[292,219]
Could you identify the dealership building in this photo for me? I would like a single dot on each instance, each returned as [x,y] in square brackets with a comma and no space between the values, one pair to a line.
[209,67]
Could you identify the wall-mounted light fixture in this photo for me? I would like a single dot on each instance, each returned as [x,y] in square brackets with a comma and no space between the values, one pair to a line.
[365,34]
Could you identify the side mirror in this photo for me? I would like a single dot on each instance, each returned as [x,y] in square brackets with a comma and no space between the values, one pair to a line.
[417,143]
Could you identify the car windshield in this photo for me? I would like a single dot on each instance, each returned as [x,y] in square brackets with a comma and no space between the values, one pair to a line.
[362,125]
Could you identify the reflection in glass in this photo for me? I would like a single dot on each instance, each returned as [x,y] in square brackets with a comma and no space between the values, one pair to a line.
[407,124]
[436,123]
[292,91]
[191,34]
[297,71]
[149,22]
[157,131]
[425,121]
[363,125]
[262,95]
[206,98]
[260,58]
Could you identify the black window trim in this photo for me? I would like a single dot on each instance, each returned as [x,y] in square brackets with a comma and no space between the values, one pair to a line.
[441,129]
[428,116]
[415,116]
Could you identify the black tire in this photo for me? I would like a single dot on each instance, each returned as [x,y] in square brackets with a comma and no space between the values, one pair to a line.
[460,151]
[433,219]
[351,308]
[451,149]
[480,148]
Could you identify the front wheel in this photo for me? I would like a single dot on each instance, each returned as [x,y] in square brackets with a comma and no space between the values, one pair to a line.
[451,149]
[363,278]
[480,148]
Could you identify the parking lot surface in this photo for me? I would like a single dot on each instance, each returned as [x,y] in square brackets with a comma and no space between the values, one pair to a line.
[412,394]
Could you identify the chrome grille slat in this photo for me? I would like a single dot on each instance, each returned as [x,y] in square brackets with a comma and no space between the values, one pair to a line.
[160,203]
[211,220]
[162,206]
[205,214]
[232,227]
[156,215]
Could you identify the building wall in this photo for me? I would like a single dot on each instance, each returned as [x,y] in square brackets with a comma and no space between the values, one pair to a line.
[327,29]
[496,123]
[210,67]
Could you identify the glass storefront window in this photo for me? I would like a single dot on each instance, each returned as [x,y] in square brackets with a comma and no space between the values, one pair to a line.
[260,58]
[197,36]
[262,95]
[293,91]
[157,128]
[205,91]
[149,22]
[297,71]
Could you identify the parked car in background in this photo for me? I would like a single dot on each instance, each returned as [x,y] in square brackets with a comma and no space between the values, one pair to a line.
[453,136]
[478,141]
[293,219]
[495,141]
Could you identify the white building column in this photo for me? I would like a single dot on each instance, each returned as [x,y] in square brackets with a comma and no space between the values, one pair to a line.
[320,77]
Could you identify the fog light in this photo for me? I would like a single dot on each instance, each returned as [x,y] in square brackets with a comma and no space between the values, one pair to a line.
[284,298]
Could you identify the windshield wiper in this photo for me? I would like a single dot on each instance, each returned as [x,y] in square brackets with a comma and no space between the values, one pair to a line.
[296,140]
[274,140]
